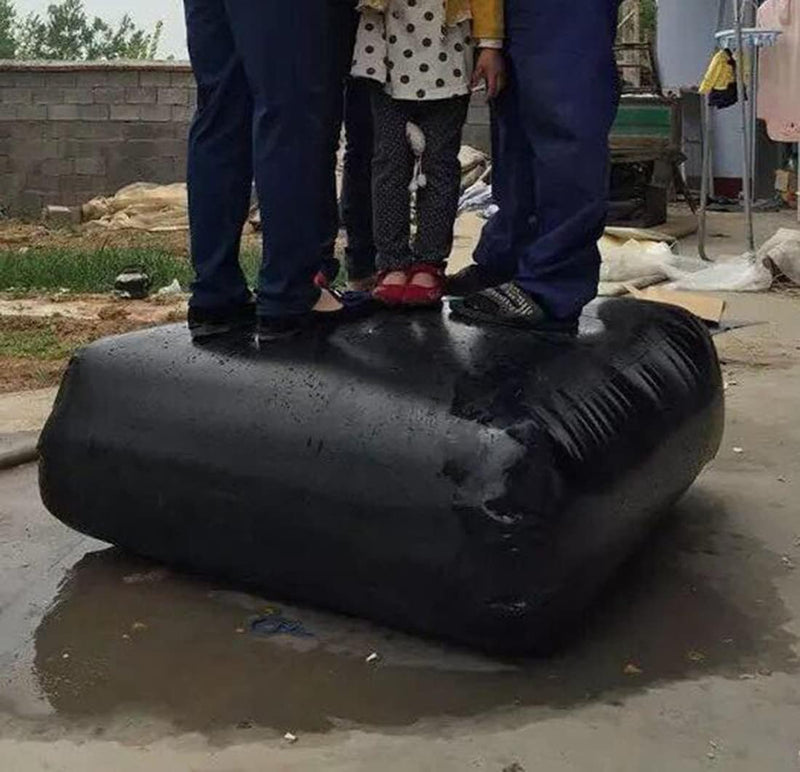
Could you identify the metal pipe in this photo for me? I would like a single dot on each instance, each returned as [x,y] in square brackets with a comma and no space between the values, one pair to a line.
[705,175]
[753,98]
[746,170]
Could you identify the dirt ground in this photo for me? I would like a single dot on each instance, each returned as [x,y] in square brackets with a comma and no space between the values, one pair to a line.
[689,663]
[15,234]
[38,334]
[65,320]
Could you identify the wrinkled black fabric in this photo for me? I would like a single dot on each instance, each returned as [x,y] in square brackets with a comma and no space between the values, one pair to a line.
[474,483]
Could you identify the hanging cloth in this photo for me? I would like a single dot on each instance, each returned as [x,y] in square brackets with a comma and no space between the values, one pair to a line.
[720,81]
[779,71]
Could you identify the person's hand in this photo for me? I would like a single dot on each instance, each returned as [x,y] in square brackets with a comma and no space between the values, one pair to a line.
[490,68]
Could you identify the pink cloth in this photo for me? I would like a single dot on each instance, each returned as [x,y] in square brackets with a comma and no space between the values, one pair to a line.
[779,71]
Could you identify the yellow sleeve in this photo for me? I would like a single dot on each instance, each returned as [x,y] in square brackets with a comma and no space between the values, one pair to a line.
[713,73]
[487,19]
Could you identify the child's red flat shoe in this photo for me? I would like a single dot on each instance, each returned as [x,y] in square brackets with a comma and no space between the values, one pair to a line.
[390,294]
[419,295]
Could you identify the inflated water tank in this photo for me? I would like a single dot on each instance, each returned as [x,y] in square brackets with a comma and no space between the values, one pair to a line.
[474,483]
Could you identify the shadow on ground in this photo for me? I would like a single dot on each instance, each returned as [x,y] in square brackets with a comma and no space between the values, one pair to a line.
[698,600]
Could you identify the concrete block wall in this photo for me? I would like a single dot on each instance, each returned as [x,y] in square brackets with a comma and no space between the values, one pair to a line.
[477,132]
[69,132]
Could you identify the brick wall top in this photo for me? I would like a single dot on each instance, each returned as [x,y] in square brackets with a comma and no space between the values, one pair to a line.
[115,66]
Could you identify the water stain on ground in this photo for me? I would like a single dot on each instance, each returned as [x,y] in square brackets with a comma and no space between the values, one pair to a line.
[126,637]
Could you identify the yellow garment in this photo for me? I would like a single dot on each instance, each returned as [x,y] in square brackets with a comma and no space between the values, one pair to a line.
[720,73]
[487,15]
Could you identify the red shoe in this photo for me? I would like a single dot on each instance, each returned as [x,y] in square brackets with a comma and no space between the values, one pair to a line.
[416,294]
[390,294]
[321,281]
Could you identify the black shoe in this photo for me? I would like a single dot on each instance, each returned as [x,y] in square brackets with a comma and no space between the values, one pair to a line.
[511,306]
[470,280]
[355,306]
[207,323]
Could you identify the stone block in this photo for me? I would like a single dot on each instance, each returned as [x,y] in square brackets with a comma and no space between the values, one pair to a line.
[93,112]
[182,114]
[28,78]
[62,217]
[479,115]
[27,130]
[124,170]
[92,78]
[90,166]
[57,167]
[123,78]
[32,112]
[16,96]
[32,151]
[155,78]
[141,96]
[8,112]
[79,96]
[147,148]
[110,95]
[478,137]
[60,80]
[125,112]
[156,113]
[135,131]
[182,78]
[66,112]
[82,186]
[29,203]
[48,95]
[173,96]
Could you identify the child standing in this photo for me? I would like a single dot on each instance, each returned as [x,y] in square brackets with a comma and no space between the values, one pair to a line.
[422,55]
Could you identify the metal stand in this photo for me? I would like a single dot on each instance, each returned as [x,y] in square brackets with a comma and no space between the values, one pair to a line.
[742,39]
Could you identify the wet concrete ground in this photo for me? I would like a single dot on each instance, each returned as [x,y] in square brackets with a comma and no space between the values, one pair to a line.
[689,662]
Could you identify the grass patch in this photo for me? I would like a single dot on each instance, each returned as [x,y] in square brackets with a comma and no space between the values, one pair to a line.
[42,343]
[80,270]
[35,351]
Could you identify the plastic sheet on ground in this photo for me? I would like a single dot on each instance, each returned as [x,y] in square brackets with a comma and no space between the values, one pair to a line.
[475,166]
[782,251]
[141,206]
[476,198]
[643,263]
[742,273]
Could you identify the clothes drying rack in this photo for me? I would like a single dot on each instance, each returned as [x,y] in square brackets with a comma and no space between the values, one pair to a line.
[744,37]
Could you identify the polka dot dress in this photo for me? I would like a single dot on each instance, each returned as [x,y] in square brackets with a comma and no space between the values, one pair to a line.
[411,50]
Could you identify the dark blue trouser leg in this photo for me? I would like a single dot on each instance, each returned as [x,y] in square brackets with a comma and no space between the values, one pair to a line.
[551,172]
[349,104]
[220,166]
[261,71]
[357,181]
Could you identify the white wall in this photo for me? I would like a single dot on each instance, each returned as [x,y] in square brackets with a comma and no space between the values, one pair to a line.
[685,45]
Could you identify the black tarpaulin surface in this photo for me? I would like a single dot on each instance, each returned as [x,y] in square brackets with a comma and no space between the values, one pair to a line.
[474,483]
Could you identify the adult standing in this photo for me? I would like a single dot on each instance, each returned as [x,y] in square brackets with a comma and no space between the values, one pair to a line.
[262,81]
[537,263]
[350,107]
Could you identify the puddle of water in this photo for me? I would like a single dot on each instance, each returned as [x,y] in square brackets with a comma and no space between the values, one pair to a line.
[125,637]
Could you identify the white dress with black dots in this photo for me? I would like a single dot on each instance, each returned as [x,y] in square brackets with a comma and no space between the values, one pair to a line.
[412,52]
